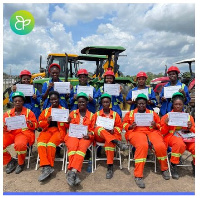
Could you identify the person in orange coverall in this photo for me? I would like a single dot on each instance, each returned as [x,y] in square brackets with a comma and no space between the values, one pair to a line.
[138,136]
[20,137]
[110,137]
[77,147]
[176,143]
[52,135]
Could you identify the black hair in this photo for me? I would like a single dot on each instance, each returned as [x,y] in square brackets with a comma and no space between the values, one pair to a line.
[54,93]
[178,97]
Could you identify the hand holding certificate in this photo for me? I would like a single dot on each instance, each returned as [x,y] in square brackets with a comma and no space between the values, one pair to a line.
[143,119]
[85,89]
[169,91]
[59,115]
[139,91]
[178,119]
[27,90]
[77,130]
[106,123]
[62,87]
[112,89]
[16,122]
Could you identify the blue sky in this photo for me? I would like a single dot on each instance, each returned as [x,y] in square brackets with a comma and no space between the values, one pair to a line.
[154,35]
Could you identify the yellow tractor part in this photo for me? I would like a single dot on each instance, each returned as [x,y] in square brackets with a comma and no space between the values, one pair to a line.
[37,76]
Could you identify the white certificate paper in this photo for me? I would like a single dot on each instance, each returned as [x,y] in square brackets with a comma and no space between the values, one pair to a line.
[106,123]
[85,89]
[77,130]
[112,89]
[16,122]
[27,90]
[59,115]
[178,119]
[143,119]
[139,91]
[185,135]
[62,87]
[169,91]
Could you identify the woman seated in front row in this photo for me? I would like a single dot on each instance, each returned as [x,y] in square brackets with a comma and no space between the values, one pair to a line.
[138,136]
[77,147]
[177,144]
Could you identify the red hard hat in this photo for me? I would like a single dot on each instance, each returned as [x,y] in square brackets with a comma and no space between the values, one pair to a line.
[109,73]
[82,71]
[24,72]
[54,64]
[173,68]
[141,74]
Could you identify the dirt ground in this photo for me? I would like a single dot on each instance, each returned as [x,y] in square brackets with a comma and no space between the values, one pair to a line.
[122,181]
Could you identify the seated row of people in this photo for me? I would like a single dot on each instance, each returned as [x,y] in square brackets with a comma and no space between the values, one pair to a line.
[160,134]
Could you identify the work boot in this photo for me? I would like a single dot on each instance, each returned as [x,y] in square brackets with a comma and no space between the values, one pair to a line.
[77,180]
[140,182]
[46,172]
[121,145]
[193,168]
[165,174]
[109,173]
[19,168]
[174,171]
[11,166]
[71,176]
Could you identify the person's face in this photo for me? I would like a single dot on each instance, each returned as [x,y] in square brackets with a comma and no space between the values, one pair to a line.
[141,105]
[54,73]
[54,100]
[141,81]
[82,103]
[83,79]
[178,105]
[109,79]
[18,102]
[105,103]
[172,76]
[26,79]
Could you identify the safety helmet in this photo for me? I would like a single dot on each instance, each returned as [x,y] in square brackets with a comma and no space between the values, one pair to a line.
[18,94]
[141,74]
[82,71]
[142,96]
[177,94]
[82,94]
[24,72]
[105,95]
[52,65]
[173,68]
[109,73]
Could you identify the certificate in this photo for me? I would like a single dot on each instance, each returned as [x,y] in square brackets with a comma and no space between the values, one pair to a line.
[59,115]
[143,119]
[85,89]
[106,123]
[62,87]
[16,122]
[178,119]
[112,89]
[139,91]
[27,90]
[169,91]
[77,130]
[185,135]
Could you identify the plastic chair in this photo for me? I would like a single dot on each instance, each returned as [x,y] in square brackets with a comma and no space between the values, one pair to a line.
[62,146]
[117,155]
[91,149]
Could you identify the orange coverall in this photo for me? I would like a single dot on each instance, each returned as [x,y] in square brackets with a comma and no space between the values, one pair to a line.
[177,144]
[49,138]
[138,138]
[20,137]
[102,135]
[77,147]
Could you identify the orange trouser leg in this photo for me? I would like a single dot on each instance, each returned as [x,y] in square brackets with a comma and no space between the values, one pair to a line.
[139,141]
[178,148]
[101,135]
[160,148]
[8,139]
[191,148]
[76,151]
